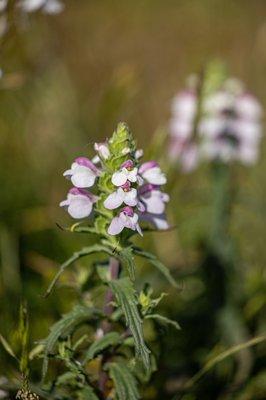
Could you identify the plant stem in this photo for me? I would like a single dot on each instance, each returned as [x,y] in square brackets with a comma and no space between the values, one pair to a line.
[114,269]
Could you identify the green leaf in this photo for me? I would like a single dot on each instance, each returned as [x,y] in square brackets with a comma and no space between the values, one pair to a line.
[164,320]
[222,356]
[124,381]
[7,347]
[127,299]
[140,373]
[87,394]
[96,248]
[110,339]
[154,261]
[127,258]
[23,332]
[64,327]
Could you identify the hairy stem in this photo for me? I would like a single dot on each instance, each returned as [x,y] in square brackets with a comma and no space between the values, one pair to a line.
[114,273]
[114,269]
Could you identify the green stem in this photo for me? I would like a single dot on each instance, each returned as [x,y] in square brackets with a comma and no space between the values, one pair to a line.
[222,202]
[114,269]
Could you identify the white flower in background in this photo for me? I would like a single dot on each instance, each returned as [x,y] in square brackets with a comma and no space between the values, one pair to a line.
[3,4]
[231,128]
[46,6]
[228,128]
[182,147]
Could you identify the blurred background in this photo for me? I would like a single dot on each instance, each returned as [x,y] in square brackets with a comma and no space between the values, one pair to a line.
[67,80]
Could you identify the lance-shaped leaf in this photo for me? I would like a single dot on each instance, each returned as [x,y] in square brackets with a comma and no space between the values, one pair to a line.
[124,381]
[110,339]
[127,258]
[163,320]
[126,297]
[158,264]
[96,248]
[64,327]
[7,347]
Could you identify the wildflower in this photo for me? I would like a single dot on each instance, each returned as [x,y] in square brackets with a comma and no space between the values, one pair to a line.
[127,218]
[83,173]
[231,129]
[124,194]
[227,127]
[152,173]
[127,172]
[79,203]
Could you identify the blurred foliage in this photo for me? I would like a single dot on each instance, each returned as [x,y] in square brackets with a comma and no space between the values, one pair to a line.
[67,80]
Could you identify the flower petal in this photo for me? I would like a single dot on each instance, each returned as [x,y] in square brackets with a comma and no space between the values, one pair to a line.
[154,176]
[116,226]
[80,207]
[132,175]
[68,173]
[83,177]
[119,178]
[114,199]
[130,197]
[154,203]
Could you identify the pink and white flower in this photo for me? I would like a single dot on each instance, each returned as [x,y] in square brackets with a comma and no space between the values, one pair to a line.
[83,173]
[124,194]
[182,146]
[228,126]
[184,105]
[152,173]
[153,199]
[127,218]
[232,129]
[79,203]
[127,172]
[102,150]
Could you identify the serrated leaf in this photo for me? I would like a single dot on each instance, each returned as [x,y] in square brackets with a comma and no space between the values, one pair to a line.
[110,339]
[7,347]
[127,258]
[140,373]
[88,394]
[96,248]
[126,297]
[164,320]
[64,327]
[158,264]
[23,332]
[124,381]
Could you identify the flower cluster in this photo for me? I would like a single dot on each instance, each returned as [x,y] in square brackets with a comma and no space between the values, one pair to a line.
[225,125]
[126,192]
